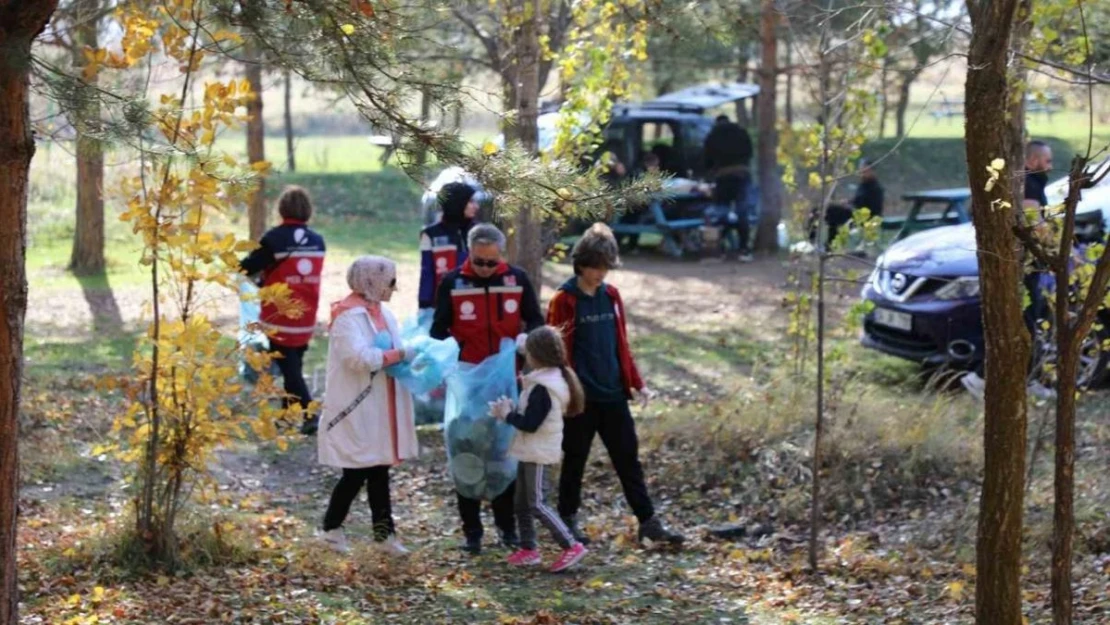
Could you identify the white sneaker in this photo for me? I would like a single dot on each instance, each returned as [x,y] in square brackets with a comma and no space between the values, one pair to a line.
[974,384]
[337,540]
[1040,391]
[746,258]
[392,546]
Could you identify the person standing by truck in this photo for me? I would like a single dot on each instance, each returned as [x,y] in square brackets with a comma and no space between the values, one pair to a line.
[728,156]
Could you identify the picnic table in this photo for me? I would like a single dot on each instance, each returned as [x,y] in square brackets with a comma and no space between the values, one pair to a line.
[1047,103]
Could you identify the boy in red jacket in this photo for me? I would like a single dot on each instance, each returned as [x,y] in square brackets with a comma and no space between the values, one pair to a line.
[591,316]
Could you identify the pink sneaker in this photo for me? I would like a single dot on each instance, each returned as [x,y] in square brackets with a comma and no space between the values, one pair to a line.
[525,557]
[569,558]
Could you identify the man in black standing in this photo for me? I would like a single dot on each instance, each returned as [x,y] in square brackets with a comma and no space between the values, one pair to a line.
[728,156]
[1038,162]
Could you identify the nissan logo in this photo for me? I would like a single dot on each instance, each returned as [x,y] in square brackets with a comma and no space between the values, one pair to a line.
[898,282]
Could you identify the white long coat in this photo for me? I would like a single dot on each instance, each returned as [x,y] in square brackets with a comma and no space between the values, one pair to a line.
[367,436]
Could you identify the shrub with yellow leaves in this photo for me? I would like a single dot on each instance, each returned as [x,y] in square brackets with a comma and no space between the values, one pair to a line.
[186,400]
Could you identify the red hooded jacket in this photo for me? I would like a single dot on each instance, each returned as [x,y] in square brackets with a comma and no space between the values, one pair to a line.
[561,315]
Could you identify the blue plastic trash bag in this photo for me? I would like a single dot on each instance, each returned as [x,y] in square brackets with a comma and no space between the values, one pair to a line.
[429,405]
[478,443]
[433,362]
[250,311]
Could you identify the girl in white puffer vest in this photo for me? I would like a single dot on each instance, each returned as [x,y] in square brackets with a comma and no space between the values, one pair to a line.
[551,392]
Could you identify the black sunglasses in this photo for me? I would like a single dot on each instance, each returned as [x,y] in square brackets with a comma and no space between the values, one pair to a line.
[481,262]
[393,283]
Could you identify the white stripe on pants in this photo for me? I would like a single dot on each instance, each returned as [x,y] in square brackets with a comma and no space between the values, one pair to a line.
[529,501]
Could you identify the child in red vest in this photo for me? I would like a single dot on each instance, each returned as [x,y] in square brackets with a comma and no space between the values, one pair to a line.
[294,254]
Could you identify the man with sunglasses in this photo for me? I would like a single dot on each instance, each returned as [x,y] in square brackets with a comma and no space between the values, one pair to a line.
[479,304]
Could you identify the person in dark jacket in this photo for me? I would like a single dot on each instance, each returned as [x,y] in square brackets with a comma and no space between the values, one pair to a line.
[293,254]
[482,302]
[443,244]
[869,194]
[1038,162]
[591,317]
[728,156]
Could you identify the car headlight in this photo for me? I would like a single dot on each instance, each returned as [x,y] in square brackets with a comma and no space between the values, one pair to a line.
[960,288]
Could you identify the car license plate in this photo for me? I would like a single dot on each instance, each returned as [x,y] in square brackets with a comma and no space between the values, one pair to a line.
[894,319]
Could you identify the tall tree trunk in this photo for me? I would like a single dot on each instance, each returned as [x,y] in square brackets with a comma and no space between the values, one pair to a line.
[789,82]
[425,115]
[904,101]
[884,101]
[290,149]
[770,195]
[526,243]
[88,234]
[742,116]
[990,136]
[20,23]
[256,144]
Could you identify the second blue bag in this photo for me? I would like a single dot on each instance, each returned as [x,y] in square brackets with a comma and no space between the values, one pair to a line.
[477,443]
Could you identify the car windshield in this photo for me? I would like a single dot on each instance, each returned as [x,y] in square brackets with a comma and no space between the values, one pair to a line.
[1058,190]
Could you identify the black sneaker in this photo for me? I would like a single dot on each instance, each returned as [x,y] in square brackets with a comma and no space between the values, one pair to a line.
[654,530]
[510,541]
[310,426]
[572,524]
[472,545]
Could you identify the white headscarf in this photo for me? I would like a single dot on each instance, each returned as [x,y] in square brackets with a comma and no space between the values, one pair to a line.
[372,277]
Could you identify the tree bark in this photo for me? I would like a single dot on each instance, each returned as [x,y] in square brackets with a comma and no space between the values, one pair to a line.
[742,116]
[526,241]
[770,196]
[20,23]
[256,145]
[991,136]
[904,101]
[425,115]
[290,149]
[884,86]
[789,111]
[88,235]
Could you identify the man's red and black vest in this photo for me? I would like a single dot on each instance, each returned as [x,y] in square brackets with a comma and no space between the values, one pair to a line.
[480,312]
[292,254]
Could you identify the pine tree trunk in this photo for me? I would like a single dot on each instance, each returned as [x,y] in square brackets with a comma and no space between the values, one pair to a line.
[256,145]
[88,234]
[884,102]
[789,112]
[425,115]
[742,116]
[20,23]
[290,149]
[770,195]
[991,136]
[526,242]
[903,102]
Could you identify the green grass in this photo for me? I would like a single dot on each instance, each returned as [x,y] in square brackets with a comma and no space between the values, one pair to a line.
[1070,126]
[357,213]
[917,164]
[335,155]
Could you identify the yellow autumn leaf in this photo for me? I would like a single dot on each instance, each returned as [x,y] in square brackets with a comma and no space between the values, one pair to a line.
[348,29]
[956,590]
[489,148]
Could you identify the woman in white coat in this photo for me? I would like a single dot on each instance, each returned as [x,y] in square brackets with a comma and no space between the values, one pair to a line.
[367,421]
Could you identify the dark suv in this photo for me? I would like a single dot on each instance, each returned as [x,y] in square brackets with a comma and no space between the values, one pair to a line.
[673,126]
[925,289]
